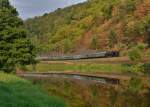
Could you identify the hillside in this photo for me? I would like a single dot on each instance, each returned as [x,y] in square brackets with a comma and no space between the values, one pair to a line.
[93,25]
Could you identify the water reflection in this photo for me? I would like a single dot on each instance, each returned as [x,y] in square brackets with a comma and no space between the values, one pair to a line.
[79,93]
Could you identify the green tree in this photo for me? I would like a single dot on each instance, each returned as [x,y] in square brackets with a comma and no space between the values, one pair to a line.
[107,10]
[94,43]
[112,38]
[15,49]
[135,55]
[68,45]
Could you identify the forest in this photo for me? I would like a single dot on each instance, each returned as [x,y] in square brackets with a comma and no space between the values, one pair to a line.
[92,25]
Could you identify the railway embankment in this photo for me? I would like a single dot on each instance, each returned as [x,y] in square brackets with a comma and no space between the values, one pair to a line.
[114,60]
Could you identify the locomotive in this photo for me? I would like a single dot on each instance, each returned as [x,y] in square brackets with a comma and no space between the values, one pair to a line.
[102,54]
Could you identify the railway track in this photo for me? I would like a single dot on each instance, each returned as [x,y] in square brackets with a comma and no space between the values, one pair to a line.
[100,54]
[114,60]
[101,78]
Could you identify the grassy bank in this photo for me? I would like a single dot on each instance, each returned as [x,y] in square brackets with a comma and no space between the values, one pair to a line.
[79,67]
[16,92]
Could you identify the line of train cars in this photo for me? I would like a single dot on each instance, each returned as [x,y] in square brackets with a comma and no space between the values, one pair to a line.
[102,54]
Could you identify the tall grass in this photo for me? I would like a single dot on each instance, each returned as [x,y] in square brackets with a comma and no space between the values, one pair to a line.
[87,68]
[16,92]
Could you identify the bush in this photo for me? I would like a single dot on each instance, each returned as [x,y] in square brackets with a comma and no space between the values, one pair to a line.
[94,43]
[144,27]
[112,38]
[135,85]
[141,46]
[138,28]
[67,45]
[146,68]
[135,55]
[132,29]
[107,10]
[130,5]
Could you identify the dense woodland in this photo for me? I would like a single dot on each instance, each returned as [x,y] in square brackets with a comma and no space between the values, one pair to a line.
[95,25]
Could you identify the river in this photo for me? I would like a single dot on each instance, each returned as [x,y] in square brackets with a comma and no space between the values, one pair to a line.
[83,93]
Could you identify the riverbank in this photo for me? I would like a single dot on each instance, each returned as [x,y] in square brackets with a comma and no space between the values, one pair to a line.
[88,68]
[17,92]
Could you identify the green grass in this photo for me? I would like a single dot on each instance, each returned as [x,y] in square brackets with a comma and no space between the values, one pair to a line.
[87,68]
[17,92]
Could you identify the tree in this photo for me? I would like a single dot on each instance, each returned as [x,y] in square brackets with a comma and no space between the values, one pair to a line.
[15,48]
[135,55]
[107,10]
[94,43]
[112,38]
[67,45]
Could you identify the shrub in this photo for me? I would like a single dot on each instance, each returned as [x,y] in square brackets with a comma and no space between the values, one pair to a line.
[67,45]
[135,85]
[130,5]
[94,43]
[135,55]
[144,28]
[107,10]
[112,38]
[132,29]
[137,28]
[146,68]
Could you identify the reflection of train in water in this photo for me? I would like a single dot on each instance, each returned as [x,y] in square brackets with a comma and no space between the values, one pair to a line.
[102,54]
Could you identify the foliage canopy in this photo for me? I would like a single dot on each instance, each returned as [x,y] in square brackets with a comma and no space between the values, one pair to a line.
[114,22]
[15,48]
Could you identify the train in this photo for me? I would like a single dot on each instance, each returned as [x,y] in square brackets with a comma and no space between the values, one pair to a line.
[101,54]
